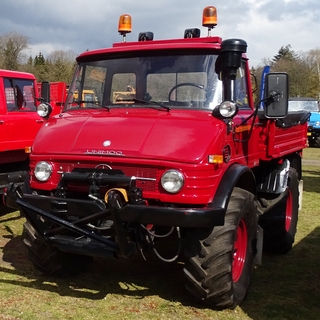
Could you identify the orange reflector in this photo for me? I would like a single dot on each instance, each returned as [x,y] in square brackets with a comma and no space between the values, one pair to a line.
[209,17]
[125,24]
[27,150]
[215,158]
[243,128]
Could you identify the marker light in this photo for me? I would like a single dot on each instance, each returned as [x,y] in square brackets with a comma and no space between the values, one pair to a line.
[125,25]
[27,149]
[209,17]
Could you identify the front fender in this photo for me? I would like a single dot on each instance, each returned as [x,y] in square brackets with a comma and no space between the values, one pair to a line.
[237,175]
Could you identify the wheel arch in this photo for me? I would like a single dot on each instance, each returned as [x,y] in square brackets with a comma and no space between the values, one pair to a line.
[237,175]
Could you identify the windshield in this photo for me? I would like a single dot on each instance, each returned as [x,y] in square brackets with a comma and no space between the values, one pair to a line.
[308,105]
[177,81]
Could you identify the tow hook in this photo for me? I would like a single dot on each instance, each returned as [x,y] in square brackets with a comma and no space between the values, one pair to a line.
[116,201]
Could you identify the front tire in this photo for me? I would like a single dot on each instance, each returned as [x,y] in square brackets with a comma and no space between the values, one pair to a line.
[50,260]
[220,260]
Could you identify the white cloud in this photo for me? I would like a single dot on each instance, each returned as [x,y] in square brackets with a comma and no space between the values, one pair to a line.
[79,25]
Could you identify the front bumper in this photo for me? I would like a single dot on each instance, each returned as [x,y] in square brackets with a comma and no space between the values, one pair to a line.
[142,214]
[39,210]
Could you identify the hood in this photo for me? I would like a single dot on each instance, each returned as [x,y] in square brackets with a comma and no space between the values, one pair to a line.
[178,135]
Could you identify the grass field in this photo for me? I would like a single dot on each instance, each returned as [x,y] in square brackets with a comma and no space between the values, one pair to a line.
[284,286]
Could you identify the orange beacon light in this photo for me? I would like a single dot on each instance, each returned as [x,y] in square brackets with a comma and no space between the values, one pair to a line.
[125,25]
[209,18]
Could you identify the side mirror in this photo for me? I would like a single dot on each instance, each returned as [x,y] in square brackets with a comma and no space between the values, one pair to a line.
[276,95]
[45,91]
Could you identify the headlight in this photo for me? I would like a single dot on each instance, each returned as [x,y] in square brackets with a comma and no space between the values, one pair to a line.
[228,109]
[43,171]
[44,110]
[172,181]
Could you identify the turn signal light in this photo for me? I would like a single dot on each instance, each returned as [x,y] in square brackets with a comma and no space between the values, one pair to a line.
[27,149]
[215,158]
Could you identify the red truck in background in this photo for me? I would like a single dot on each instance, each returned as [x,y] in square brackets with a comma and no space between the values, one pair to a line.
[20,122]
[171,148]
[53,92]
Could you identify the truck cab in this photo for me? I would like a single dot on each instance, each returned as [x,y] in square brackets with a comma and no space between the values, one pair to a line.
[19,123]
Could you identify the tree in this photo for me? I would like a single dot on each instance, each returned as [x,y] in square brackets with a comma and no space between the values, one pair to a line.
[285,53]
[12,46]
[61,65]
[41,68]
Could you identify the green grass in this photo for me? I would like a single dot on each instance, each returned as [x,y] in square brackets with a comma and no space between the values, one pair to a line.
[284,286]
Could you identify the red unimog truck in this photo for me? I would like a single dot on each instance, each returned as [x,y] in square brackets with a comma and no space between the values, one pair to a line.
[170,148]
[20,122]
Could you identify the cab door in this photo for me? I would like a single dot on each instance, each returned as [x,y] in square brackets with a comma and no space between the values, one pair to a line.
[21,121]
[245,133]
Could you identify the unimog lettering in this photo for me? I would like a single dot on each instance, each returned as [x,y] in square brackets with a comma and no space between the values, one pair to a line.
[105,152]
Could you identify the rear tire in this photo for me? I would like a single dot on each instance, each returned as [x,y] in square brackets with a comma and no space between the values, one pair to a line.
[50,260]
[220,260]
[279,223]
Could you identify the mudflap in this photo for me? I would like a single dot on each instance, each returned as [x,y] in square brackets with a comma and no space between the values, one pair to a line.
[258,256]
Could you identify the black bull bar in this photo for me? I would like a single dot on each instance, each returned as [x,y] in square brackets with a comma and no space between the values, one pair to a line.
[56,210]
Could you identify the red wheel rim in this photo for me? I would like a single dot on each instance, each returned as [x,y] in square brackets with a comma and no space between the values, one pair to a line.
[239,251]
[288,210]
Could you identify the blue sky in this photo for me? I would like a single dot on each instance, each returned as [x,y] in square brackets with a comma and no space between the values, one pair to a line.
[79,25]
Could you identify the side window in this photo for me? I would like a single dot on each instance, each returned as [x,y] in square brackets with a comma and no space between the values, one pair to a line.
[87,88]
[123,88]
[241,89]
[10,95]
[19,95]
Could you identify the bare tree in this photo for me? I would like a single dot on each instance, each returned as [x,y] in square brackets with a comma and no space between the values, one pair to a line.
[312,58]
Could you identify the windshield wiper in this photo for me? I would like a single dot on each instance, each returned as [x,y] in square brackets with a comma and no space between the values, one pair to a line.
[159,104]
[92,106]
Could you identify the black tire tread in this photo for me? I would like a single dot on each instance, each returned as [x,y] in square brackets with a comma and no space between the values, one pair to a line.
[50,260]
[208,268]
